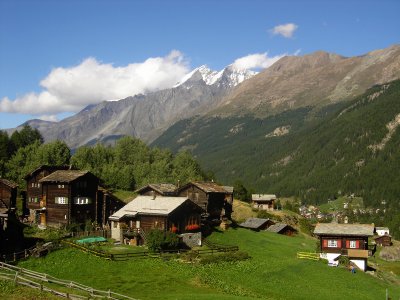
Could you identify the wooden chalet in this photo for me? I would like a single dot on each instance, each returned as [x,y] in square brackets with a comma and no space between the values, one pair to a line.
[345,239]
[282,228]
[216,200]
[383,240]
[157,189]
[34,187]
[263,201]
[132,223]
[257,223]
[8,195]
[68,196]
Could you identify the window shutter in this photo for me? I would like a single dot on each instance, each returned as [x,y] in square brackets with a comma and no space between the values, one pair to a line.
[325,243]
[358,244]
[339,243]
[347,244]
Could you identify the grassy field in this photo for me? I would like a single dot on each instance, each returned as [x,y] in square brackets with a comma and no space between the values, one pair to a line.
[273,272]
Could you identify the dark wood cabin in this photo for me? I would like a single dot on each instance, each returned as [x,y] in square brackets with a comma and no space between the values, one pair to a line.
[345,239]
[282,228]
[106,205]
[384,240]
[34,187]
[8,195]
[68,196]
[157,189]
[135,220]
[213,198]
[257,224]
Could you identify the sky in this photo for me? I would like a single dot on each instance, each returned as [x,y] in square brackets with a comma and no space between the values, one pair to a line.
[57,57]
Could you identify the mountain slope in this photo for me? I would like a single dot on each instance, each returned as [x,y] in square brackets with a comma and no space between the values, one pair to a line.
[344,148]
[317,79]
[144,116]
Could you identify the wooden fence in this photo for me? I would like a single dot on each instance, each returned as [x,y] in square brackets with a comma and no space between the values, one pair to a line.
[51,284]
[13,257]
[143,254]
[104,233]
[308,255]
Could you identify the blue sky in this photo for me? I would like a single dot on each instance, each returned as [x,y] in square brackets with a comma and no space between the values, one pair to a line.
[56,57]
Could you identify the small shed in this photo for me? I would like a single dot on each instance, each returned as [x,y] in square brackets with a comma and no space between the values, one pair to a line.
[384,240]
[263,201]
[382,231]
[282,228]
[257,223]
[157,189]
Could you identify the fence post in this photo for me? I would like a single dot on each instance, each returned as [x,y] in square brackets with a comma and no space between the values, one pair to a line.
[26,253]
[16,278]
[109,294]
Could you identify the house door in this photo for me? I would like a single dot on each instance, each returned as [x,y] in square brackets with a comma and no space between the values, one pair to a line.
[43,219]
[137,224]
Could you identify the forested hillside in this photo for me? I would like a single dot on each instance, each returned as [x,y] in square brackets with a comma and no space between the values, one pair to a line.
[128,165]
[315,154]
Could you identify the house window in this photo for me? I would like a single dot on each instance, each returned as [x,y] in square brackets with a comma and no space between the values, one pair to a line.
[34,199]
[353,244]
[61,200]
[60,186]
[33,184]
[332,243]
[82,200]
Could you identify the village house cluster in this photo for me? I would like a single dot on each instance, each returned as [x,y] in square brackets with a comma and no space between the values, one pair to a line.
[59,196]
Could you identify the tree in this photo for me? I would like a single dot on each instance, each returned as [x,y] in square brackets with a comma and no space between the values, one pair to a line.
[55,153]
[241,192]
[186,168]
[25,137]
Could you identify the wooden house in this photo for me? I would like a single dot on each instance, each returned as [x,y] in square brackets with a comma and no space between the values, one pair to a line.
[106,205]
[382,231]
[213,198]
[383,240]
[68,196]
[34,187]
[345,239]
[157,189]
[263,201]
[282,228]
[257,223]
[8,195]
[133,222]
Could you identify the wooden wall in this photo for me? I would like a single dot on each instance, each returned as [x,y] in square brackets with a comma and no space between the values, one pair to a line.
[343,243]
[8,195]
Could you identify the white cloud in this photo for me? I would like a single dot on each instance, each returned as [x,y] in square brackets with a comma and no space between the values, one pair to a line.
[256,61]
[71,89]
[286,30]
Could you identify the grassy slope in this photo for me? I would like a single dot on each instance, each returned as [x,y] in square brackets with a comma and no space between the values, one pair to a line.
[274,272]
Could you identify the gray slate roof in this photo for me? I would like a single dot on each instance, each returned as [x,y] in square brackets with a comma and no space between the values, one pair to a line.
[278,227]
[254,223]
[64,176]
[159,187]
[344,229]
[9,183]
[263,197]
[149,205]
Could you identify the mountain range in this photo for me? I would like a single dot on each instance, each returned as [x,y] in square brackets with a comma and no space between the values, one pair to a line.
[144,116]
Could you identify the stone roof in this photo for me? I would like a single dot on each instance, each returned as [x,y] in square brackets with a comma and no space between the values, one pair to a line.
[65,176]
[207,187]
[162,188]
[263,197]
[149,205]
[254,223]
[8,183]
[278,227]
[344,229]
[382,228]
[49,168]
[229,189]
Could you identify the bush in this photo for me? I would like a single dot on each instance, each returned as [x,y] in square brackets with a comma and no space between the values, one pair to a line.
[263,214]
[344,261]
[158,240]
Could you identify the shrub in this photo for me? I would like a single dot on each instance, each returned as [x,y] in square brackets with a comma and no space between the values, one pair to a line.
[158,240]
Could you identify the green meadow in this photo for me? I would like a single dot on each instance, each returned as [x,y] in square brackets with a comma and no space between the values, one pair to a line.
[272,272]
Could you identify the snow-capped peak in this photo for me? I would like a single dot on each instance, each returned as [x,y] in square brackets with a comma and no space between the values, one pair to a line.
[232,76]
